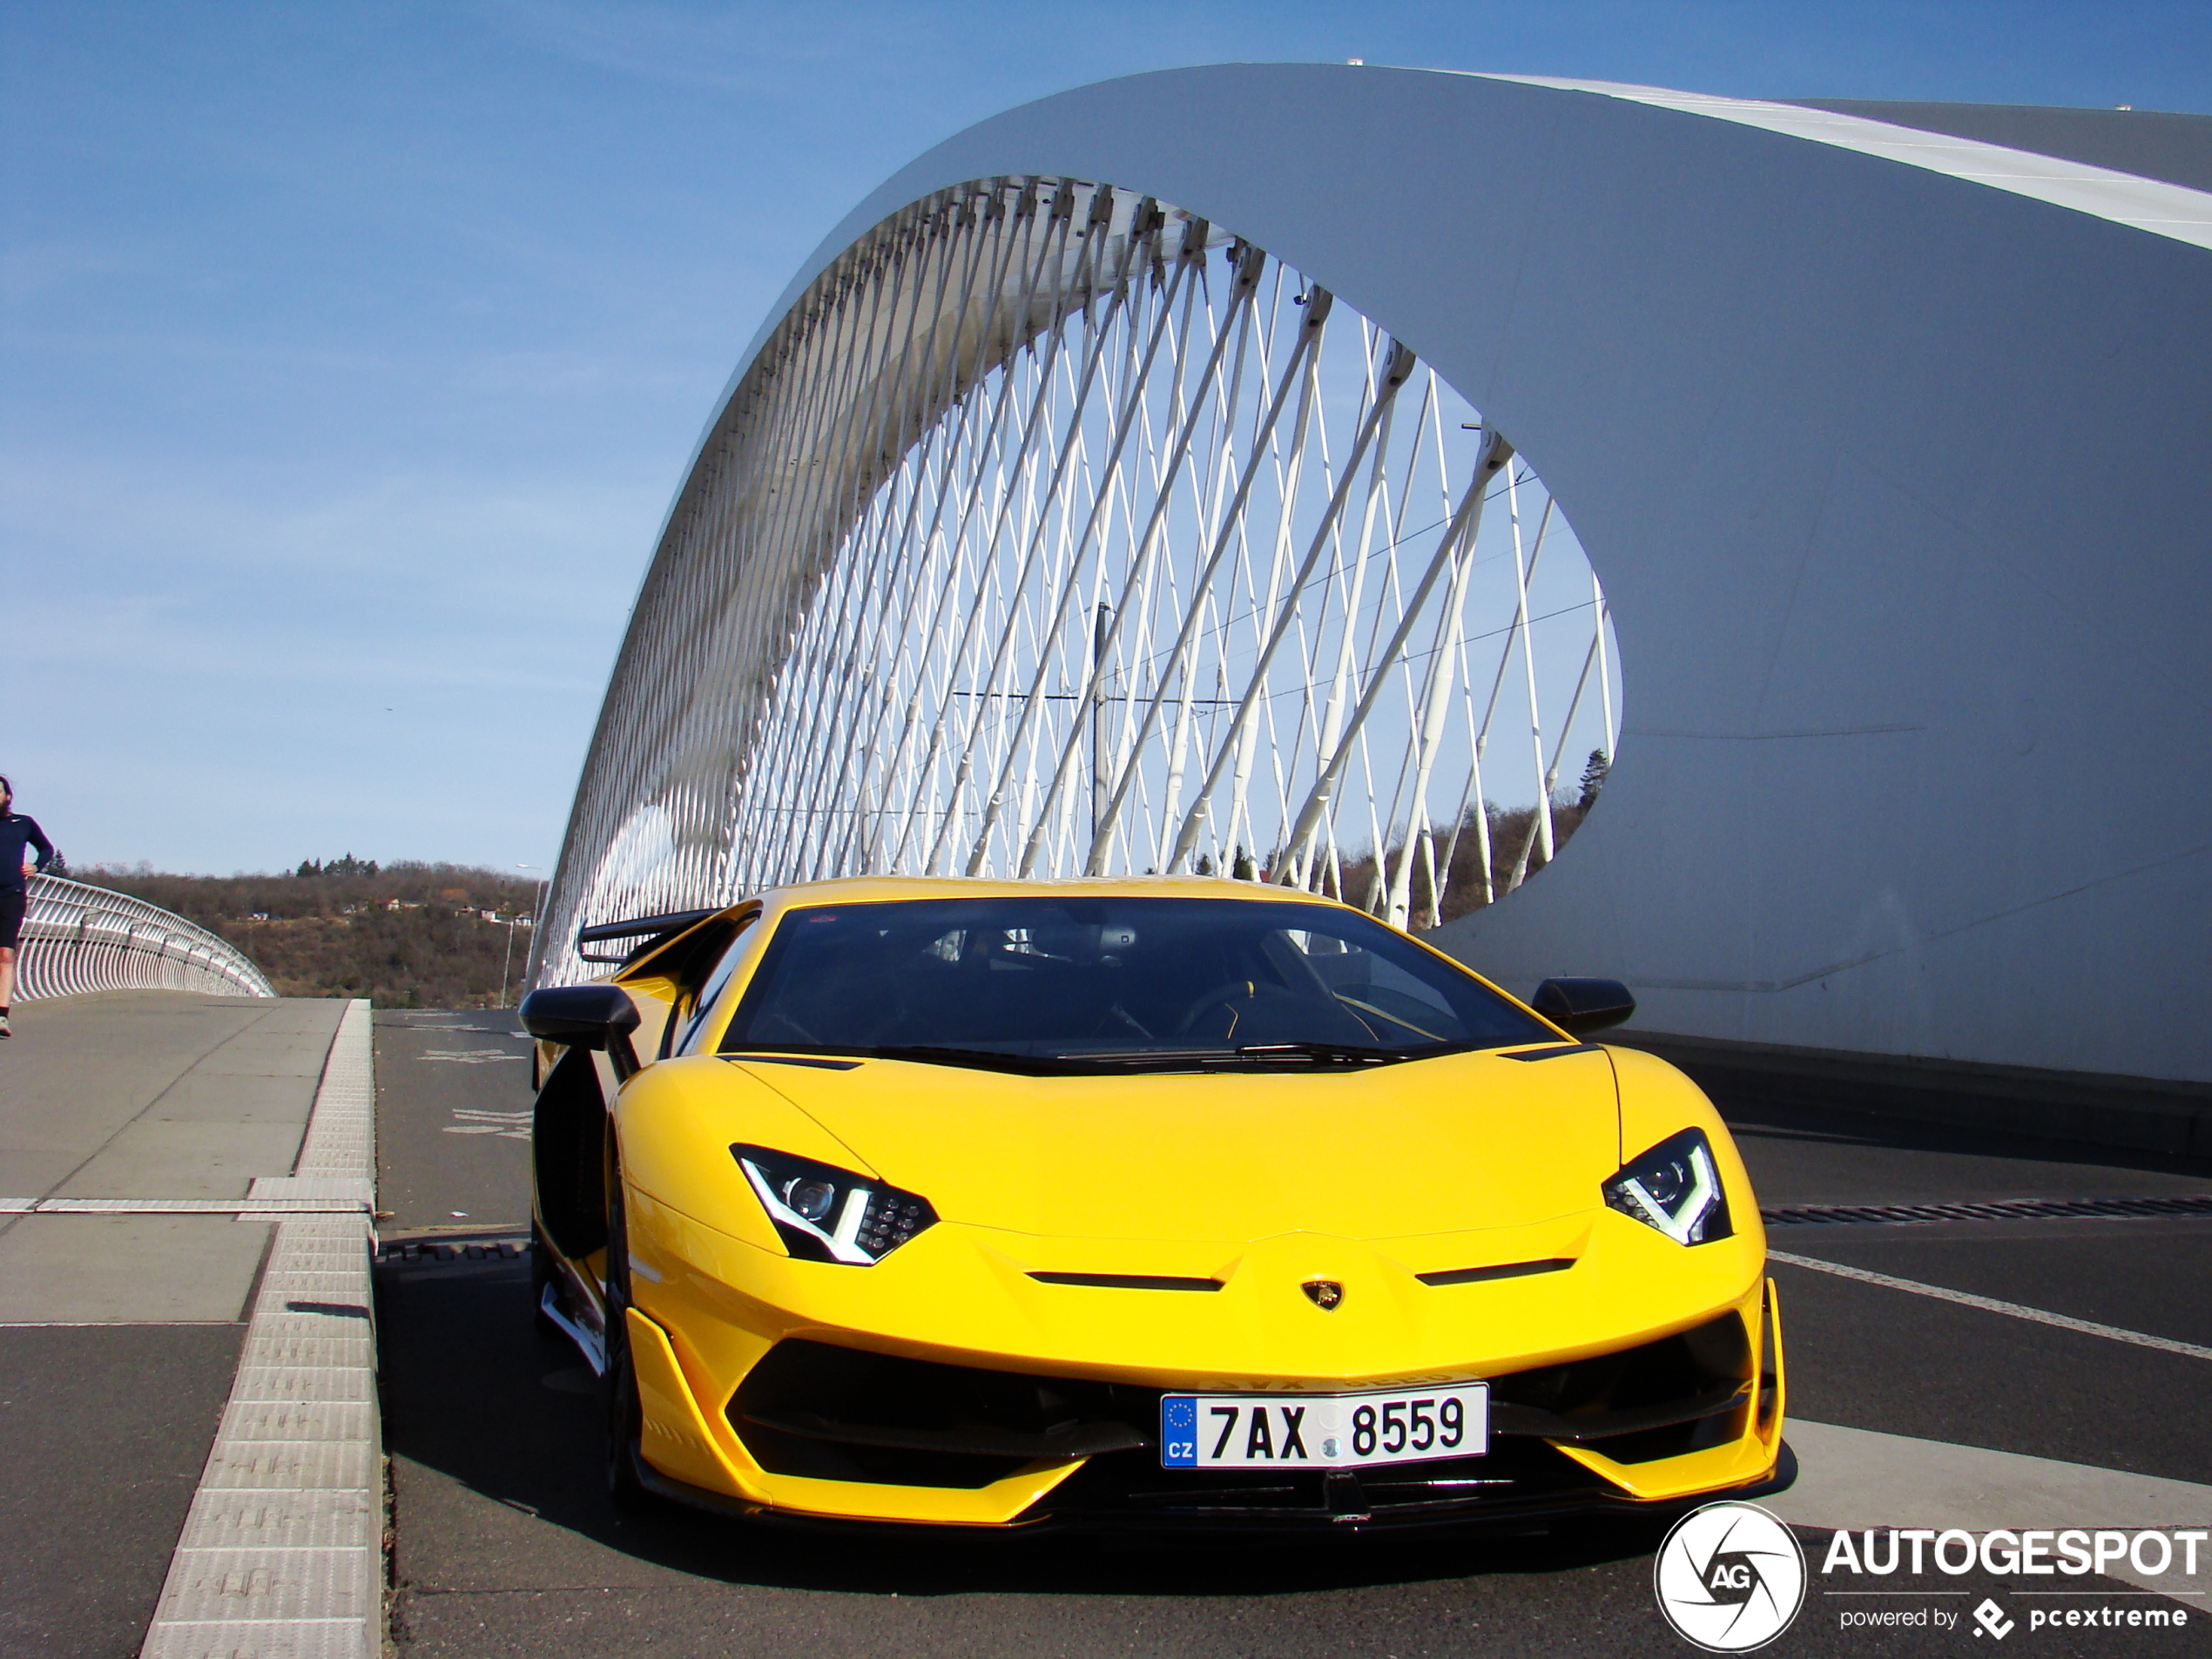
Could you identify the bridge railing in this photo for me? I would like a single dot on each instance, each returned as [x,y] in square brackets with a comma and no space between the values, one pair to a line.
[78,938]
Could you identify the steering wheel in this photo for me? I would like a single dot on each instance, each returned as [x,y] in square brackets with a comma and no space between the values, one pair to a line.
[1239,1000]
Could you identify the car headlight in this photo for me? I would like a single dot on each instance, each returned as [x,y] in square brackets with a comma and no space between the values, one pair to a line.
[1674,1187]
[825,1214]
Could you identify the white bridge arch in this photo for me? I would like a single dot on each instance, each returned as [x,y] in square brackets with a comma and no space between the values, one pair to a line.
[1884,445]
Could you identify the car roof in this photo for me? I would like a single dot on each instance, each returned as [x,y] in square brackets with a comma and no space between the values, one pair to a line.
[879,889]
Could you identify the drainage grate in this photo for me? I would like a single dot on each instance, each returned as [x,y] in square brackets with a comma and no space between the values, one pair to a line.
[1819,1215]
[431,1251]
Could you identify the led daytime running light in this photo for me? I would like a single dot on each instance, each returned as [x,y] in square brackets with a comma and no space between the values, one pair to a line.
[1696,1213]
[863,1222]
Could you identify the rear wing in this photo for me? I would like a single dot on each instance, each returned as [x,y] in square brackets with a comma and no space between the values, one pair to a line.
[650,932]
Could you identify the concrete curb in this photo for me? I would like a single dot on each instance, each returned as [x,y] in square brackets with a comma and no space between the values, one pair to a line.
[282,1554]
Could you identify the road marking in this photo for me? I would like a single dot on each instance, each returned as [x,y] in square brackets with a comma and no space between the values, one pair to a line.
[183,1207]
[468,1056]
[515,1125]
[1991,1305]
[108,1324]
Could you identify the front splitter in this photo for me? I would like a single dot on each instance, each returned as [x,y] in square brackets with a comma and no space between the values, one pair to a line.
[1470,1516]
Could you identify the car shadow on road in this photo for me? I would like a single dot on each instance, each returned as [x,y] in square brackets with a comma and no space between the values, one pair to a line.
[1838,1154]
[472,1390]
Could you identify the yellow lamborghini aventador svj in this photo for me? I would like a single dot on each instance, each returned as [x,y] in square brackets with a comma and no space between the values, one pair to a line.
[1160,1203]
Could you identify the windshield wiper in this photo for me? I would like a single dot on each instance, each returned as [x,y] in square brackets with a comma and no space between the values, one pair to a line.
[1319,1054]
[984,1059]
[1298,1055]
[1252,1053]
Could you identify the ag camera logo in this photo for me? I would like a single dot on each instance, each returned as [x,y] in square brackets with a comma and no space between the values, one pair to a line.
[1729,1577]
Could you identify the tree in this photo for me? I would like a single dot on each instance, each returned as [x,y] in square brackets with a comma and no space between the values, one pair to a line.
[1594,778]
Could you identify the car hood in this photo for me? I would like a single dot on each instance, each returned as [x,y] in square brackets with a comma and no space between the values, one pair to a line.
[1444,1145]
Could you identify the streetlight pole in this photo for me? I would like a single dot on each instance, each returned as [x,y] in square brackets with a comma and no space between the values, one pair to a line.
[538,895]
[537,892]
[506,961]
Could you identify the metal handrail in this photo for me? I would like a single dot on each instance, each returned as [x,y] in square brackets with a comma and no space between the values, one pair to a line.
[78,938]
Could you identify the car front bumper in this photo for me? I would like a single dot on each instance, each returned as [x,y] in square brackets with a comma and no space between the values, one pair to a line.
[765,1391]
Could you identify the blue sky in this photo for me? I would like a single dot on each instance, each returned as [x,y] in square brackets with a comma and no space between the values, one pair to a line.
[349,353]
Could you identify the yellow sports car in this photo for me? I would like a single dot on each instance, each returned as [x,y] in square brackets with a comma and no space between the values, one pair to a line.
[1148,1202]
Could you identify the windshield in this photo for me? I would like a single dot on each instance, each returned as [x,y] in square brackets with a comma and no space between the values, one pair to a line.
[1075,984]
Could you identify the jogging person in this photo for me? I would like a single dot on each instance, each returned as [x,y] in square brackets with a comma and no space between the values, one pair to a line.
[19,835]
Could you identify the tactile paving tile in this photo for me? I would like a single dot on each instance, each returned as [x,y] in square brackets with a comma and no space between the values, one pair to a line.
[297,1382]
[268,1585]
[262,1520]
[266,1350]
[334,1638]
[287,1419]
[282,1292]
[317,1256]
[318,1318]
[281,1556]
[325,1189]
[344,1232]
[289,1466]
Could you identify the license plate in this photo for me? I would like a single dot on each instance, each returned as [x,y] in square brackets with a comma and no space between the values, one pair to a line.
[1323,1430]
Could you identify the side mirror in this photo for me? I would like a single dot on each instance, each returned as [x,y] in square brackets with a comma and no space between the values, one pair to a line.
[585,1016]
[1580,1006]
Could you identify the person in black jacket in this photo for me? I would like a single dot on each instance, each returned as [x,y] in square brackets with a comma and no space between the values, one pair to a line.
[18,834]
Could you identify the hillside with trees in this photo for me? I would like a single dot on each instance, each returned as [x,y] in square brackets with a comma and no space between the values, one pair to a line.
[448,935]
[404,935]
[1515,857]
[1516,853]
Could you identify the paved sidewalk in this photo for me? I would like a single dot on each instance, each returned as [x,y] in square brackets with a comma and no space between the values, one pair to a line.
[147,1095]
[119,1334]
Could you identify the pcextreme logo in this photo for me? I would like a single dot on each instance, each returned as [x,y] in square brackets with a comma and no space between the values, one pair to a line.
[1729,1577]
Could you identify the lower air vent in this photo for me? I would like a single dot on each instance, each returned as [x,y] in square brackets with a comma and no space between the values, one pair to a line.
[845,1414]
[1681,1393]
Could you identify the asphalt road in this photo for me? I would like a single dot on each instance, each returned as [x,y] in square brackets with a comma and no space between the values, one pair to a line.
[505,1545]
[453,1106]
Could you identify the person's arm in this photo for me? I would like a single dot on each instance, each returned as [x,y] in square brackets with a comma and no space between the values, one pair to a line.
[36,838]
